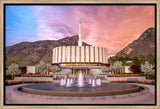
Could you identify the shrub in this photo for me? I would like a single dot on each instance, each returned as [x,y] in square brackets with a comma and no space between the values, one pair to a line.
[151,76]
[114,75]
[122,75]
[47,75]
[8,76]
[30,75]
[134,74]
[35,75]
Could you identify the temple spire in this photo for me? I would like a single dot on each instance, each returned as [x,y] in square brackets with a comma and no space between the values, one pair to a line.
[80,34]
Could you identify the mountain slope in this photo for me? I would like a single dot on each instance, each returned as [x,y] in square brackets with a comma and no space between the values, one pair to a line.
[30,53]
[143,45]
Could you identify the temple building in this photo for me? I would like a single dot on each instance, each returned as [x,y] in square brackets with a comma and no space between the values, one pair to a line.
[73,59]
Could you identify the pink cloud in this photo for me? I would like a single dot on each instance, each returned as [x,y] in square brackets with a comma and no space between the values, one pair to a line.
[112,27]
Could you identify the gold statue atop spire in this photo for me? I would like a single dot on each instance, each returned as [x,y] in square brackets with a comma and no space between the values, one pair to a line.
[80,20]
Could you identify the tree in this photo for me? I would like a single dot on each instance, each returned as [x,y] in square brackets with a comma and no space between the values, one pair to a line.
[55,68]
[48,68]
[135,68]
[142,59]
[136,61]
[113,59]
[147,68]
[11,60]
[111,68]
[117,66]
[150,58]
[13,69]
[105,69]
[41,67]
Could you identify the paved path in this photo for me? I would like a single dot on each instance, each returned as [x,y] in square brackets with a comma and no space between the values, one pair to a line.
[12,98]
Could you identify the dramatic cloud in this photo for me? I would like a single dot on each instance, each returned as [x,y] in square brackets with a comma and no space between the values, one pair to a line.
[110,26]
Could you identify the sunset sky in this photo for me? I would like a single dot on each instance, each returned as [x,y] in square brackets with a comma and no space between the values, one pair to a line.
[109,26]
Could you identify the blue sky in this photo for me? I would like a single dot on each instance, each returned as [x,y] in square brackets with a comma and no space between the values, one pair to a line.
[20,24]
[112,27]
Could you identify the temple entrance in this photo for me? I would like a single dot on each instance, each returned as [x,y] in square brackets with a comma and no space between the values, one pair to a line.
[78,70]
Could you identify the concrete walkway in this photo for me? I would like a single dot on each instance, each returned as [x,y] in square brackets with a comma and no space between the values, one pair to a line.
[12,98]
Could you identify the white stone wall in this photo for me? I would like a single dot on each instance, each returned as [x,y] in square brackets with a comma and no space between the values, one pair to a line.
[78,54]
[53,56]
[100,55]
[73,54]
[59,54]
[106,56]
[63,53]
[56,55]
[87,53]
[31,69]
[103,55]
[82,54]
[68,54]
[91,54]
[96,54]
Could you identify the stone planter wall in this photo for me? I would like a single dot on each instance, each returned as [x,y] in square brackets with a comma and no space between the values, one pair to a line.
[125,78]
[33,78]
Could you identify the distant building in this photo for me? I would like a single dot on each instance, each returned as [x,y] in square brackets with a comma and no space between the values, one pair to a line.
[31,69]
[126,69]
[129,61]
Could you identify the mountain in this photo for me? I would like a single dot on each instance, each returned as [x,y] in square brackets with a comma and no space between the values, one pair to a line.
[30,53]
[141,46]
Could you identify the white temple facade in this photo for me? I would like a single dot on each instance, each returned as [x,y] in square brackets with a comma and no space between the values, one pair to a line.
[73,59]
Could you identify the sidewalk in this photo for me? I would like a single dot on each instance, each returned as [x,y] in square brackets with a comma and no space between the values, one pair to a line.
[12,98]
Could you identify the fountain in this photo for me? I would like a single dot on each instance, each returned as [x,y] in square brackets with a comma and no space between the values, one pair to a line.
[98,81]
[80,80]
[94,88]
[90,81]
[62,82]
[71,82]
[68,83]
[93,82]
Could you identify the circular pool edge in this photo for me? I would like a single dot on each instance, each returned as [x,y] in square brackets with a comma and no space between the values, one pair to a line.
[121,94]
